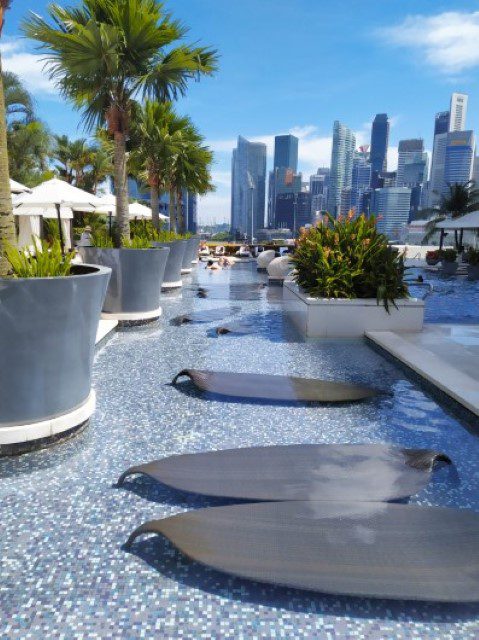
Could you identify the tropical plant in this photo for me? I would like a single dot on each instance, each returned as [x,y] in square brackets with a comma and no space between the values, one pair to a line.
[448,255]
[348,258]
[7,224]
[472,256]
[433,257]
[137,242]
[102,239]
[461,198]
[104,53]
[29,147]
[46,261]
[18,101]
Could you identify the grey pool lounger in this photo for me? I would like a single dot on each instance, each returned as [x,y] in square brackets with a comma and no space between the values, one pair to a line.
[275,388]
[208,315]
[375,550]
[348,472]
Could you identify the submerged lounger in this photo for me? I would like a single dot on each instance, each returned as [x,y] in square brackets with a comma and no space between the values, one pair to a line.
[276,388]
[361,549]
[209,315]
[233,292]
[335,472]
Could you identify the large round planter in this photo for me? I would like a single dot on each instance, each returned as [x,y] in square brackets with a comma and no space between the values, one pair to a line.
[432,262]
[449,268]
[191,254]
[47,342]
[473,271]
[133,295]
[172,278]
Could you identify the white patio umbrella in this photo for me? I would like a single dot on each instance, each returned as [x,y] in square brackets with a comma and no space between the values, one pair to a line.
[468,221]
[17,187]
[55,197]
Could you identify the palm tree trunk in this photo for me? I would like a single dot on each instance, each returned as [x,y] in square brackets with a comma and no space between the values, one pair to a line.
[155,205]
[7,224]
[121,188]
[179,216]
[171,211]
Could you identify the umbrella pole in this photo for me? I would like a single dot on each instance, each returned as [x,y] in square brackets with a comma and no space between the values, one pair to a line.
[109,224]
[60,230]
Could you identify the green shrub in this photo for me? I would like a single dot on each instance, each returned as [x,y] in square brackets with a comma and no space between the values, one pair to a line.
[473,256]
[136,242]
[448,255]
[47,262]
[349,258]
[102,239]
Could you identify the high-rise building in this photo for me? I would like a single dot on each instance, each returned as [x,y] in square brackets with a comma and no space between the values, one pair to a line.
[441,128]
[459,158]
[344,143]
[379,146]
[318,188]
[248,187]
[293,211]
[458,112]
[360,181]
[412,163]
[286,152]
[392,206]
[284,178]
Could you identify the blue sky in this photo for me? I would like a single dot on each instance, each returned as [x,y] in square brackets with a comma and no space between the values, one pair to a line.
[297,65]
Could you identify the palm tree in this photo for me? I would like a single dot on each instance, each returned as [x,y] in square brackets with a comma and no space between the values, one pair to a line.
[191,172]
[156,134]
[105,53]
[29,148]
[462,198]
[18,101]
[7,224]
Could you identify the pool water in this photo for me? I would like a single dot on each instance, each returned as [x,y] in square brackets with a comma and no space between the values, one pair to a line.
[64,572]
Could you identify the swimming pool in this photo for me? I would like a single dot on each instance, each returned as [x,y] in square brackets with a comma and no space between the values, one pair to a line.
[64,573]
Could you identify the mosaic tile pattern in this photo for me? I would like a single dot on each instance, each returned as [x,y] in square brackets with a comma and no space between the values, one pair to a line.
[64,573]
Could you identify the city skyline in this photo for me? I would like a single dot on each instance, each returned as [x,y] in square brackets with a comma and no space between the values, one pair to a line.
[388,47]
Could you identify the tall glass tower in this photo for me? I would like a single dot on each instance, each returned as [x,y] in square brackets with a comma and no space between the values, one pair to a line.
[284,178]
[344,143]
[248,187]
[286,152]
[379,146]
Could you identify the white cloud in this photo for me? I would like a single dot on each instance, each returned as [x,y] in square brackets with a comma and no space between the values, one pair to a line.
[446,41]
[28,66]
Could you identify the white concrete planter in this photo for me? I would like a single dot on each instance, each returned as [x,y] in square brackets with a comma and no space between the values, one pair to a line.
[191,254]
[48,328]
[341,318]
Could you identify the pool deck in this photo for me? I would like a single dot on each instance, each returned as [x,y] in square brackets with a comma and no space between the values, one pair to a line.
[446,355]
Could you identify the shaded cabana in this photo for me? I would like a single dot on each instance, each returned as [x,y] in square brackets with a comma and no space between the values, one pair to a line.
[52,199]
[136,210]
[17,188]
[468,222]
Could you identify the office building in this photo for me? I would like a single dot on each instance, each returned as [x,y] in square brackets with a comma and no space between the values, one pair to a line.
[412,163]
[318,188]
[293,211]
[284,177]
[248,187]
[392,206]
[459,158]
[344,143]
[360,181]
[379,147]
[458,112]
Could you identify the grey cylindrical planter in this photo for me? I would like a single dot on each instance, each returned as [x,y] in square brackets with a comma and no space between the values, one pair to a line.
[172,278]
[47,339]
[473,272]
[449,268]
[133,295]
[191,253]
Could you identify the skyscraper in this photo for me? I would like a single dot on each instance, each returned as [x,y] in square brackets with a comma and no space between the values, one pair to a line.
[459,158]
[379,146]
[344,143]
[248,187]
[412,163]
[458,112]
[293,211]
[284,177]
[286,152]
[392,205]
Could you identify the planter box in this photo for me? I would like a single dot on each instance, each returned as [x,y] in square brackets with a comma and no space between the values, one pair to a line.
[449,268]
[191,254]
[47,340]
[328,318]
[174,264]
[133,294]
[473,271]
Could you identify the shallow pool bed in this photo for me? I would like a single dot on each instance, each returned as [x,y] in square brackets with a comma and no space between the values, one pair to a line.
[64,572]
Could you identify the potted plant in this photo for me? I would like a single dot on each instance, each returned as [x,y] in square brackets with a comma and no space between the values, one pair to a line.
[472,264]
[133,295]
[449,263]
[191,253]
[49,313]
[433,257]
[177,245]
[347,281]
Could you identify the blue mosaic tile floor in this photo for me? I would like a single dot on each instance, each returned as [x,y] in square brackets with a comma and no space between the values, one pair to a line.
[64,573]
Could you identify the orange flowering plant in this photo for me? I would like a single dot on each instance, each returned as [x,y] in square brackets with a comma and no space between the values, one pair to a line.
[348,258]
